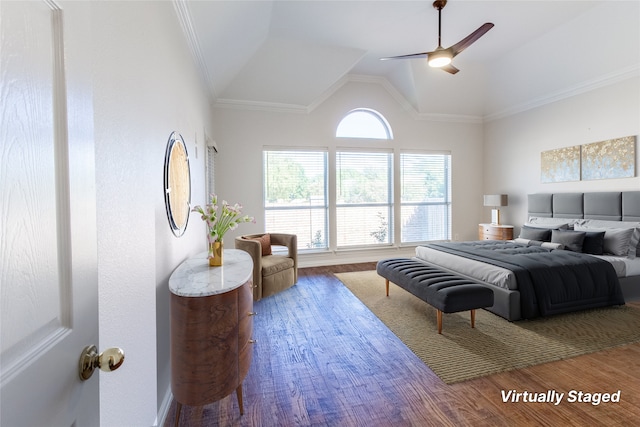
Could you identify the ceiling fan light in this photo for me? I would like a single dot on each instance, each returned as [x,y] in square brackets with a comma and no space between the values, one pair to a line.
[439,59]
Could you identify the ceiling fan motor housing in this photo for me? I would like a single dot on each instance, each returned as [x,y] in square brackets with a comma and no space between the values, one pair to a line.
[439,4]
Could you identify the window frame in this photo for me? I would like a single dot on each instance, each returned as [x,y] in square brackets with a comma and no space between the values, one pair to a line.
[446,203]
[394,205]
[389,205]
[373,113]
[320,207]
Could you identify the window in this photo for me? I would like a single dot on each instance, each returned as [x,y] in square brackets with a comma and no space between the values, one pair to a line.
[364,198]
[295,195]
[363,211]
[425,197]
[364,123]
[212,154]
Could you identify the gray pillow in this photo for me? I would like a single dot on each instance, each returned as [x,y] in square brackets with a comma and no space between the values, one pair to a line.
[604,224]
[572,240]
[532,233]
[617,241]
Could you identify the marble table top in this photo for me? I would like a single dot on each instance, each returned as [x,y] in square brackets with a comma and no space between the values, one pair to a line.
[195,278]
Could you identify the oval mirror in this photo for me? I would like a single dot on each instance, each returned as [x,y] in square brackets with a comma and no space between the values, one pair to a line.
[177,184]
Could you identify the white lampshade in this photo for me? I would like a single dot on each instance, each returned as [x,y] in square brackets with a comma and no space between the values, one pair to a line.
[496,200]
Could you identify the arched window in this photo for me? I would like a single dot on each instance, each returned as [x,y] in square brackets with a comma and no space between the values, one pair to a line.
[364,123]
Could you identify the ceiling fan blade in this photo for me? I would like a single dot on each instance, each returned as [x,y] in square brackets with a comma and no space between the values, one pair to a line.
[444,56]
[470,39]
[449,69]
[410,56]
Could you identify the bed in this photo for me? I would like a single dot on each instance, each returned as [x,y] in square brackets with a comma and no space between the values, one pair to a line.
[545,271]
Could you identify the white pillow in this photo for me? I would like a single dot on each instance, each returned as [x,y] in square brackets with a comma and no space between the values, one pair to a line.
[529,242]
[552,245]
[558,223]
[563,226]
[617,241]
[601,223]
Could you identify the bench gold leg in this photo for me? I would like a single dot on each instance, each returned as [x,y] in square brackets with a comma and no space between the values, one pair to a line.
[473,318]
[178,410]
[239,396]
[387,284]
[439,321]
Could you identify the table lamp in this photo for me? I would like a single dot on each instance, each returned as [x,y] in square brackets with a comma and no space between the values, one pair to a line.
[495,200]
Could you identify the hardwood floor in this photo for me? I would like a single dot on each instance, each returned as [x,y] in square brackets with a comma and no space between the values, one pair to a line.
[323,359]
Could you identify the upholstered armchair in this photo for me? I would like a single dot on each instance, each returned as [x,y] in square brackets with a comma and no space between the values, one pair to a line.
[272,273]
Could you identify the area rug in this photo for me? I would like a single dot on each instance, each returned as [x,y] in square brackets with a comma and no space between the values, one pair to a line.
[495,344]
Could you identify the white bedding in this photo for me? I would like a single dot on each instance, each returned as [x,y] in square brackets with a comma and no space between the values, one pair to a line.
[624,267]
[478,270]
[502,277]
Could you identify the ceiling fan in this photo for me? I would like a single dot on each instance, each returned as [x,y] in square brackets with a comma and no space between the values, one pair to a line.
[441,57]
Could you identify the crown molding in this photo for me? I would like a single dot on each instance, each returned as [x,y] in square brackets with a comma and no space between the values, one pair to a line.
[347,78]
[391,90]
[584,87]
[184,17]
[451,118]
[239,104]
[400,99]
[590,85]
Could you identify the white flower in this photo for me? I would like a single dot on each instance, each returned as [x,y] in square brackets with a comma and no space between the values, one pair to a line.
[218,225]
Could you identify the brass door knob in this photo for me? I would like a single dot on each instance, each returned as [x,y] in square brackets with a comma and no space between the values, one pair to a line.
[109,360]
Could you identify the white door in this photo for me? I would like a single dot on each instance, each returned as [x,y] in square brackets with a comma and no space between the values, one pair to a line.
[48,255]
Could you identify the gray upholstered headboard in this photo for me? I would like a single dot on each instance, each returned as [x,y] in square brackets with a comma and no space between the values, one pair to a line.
[607,205]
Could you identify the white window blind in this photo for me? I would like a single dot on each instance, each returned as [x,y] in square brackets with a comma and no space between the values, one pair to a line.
[364,198]
[295,196]
[212,153]
[425,197]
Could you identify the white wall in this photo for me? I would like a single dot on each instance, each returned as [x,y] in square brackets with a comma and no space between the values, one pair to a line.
[145,87]
[513,144]
[603,41]
[241,136]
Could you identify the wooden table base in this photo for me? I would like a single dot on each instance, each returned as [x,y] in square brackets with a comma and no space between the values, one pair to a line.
[240,405]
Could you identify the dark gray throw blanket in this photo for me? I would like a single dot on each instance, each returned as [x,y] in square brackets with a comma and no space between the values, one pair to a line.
[549,281]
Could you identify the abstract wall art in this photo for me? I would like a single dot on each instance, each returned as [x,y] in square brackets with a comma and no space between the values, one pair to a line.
[614,158]
[560,165]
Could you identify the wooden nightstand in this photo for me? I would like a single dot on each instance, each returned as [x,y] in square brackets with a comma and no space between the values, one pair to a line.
[495,232]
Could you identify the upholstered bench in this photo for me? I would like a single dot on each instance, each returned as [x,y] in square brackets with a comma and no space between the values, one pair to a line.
[446,291]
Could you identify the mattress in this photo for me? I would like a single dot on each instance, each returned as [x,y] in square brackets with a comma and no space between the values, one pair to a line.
[478,270]
[502,277]
[624,267]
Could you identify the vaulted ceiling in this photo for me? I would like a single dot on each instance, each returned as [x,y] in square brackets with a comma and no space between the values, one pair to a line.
[292,54]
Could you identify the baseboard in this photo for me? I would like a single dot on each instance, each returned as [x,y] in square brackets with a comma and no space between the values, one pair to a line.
[319,259]
[164,408]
